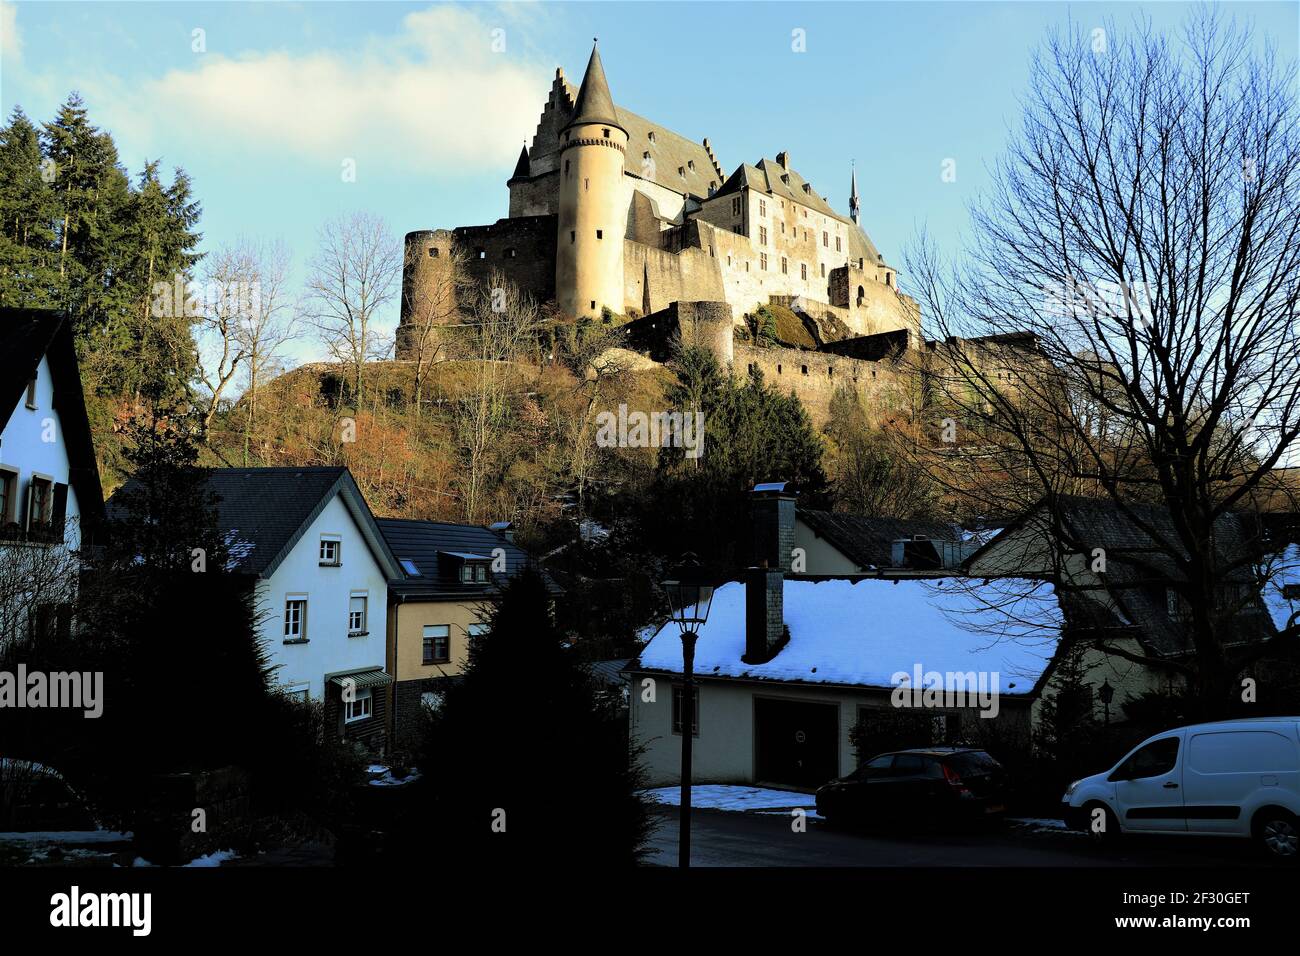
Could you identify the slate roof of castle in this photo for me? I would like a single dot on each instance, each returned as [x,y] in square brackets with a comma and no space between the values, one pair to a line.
[420,543]
[772,178]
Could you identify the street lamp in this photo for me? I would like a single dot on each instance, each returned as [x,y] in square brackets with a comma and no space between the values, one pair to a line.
[1107,694]
[689,597]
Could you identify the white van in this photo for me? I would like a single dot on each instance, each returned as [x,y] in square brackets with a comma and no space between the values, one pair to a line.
[1237,778]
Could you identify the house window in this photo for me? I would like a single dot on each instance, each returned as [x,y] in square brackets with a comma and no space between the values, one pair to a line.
[437,643]
[39,502]
[295,619]
[8,490]
[357,614]
[409,567]
[300,692]
[477,630]
[358,708]
[679,694]
[330,546]
[31,392]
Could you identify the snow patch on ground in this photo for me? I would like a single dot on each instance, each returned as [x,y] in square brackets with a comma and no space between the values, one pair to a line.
[388,780]
[1039,823]
[735,798]
[215,858]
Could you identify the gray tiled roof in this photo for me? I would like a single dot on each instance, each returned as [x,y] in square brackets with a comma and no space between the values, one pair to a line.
[421,541]
[262,512]
[870,541]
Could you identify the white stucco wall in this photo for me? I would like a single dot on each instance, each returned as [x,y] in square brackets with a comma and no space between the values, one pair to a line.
[32,443]
[328,649]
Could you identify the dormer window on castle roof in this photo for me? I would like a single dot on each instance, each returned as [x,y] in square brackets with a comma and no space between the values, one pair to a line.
[651,135]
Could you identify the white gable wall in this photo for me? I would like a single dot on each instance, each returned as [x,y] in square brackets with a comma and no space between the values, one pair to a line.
[328,649]
[24,448]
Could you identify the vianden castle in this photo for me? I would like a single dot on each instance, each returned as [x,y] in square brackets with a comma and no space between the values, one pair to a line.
[613,213]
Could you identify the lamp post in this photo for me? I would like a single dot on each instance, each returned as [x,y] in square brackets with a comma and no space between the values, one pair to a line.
[689,598]
[1107,694]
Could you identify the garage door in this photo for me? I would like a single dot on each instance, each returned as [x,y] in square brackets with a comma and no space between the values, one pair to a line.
[796,742]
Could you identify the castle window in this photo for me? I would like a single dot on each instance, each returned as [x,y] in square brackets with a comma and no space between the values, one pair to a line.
[762,207]
[573,237]
[862,294]
[887,279]
[823,270]
[510,253]
[825,238]
[803,271]
[600,233]
[586,184]
[681,171]
[778,369]
[713,188]
[566,169]
[805,369]
[830,371]
[746,265]
[837,243]
[593,303]
[735,206]
[762,235]
[433,252]
[480,253]
[646,154]
[690,164]
[859,263]
[606,132]
[651,134]
[728,261]
[784,269]
[762,261]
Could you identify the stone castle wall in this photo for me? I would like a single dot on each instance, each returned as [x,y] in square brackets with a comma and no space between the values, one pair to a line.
[815,377]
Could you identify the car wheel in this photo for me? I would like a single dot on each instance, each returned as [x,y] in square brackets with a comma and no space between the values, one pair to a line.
[1108,833]
[1278,834]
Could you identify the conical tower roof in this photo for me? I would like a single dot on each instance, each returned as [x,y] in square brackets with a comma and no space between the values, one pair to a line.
[594,104]
[522,168]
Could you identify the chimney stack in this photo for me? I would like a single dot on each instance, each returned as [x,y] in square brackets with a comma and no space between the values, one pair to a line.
[772,511]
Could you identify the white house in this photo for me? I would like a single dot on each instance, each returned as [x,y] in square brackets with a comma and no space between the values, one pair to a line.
[320,568]
[49,483]
[785,668]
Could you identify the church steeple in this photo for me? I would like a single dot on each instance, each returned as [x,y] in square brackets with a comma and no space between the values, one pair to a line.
[854,205]
[523,169]
[594,103]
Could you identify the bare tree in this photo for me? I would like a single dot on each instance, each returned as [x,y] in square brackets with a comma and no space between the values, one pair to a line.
[264,330]
[503,328]
[351,279]
[430,308]
[1143,237]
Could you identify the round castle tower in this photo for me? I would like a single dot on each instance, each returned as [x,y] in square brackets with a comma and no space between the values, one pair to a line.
[593,202]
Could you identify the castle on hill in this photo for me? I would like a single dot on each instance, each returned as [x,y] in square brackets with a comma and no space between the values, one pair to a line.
[610,211]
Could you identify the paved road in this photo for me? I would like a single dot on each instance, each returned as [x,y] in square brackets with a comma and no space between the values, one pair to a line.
[752,839]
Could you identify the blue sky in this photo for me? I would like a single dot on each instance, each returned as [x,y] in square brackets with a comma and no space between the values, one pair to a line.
[283,94]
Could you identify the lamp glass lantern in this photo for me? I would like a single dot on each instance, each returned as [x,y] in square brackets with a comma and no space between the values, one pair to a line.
[689,598]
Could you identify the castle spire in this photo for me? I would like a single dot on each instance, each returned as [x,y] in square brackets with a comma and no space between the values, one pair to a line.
[595,104]
[854,204]
[523,169]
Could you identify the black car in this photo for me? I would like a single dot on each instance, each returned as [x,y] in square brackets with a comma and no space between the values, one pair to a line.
[934,784]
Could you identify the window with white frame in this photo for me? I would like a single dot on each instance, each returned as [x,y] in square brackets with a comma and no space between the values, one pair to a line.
[31,392]
[295,618]
[357,614]
[300,691]
[437,643]
[330,548]
[358,708]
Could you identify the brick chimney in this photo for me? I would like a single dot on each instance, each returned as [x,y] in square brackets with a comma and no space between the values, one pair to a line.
[764,614]
[771,509]
[772,512]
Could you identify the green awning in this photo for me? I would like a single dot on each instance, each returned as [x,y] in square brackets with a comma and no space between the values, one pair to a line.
[360,679]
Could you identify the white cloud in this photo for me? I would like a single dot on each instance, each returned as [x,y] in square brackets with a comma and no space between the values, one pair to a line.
[433,96]
[11,41]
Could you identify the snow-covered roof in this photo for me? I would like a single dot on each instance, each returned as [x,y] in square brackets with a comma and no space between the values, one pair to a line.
[864,632]
[1285,569]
